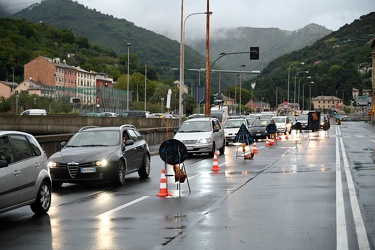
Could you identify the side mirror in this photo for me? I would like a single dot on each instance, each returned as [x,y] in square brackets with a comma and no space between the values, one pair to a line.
[3,163]
[63,144]
[216,130]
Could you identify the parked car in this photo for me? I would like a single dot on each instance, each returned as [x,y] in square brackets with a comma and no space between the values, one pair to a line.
[258,129]
[282,123]
[34,112]
[202,135]
[91,114]
[133,113]
[24,176]
[108,114]
[99,154]
[232,126]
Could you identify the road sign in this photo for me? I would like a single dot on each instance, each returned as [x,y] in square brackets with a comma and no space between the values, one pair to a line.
[173,151]
[243,135]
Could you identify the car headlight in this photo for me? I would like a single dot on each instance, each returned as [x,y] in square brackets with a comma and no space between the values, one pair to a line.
[52,164]
[101,163]
[205,140]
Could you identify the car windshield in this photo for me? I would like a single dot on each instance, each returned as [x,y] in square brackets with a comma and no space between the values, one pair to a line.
[233,123]
[260,123]
[195,126]
[301,118]
[94,139]
[279,119]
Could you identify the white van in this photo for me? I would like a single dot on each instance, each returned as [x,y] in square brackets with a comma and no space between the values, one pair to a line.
[283,124]
[34,112]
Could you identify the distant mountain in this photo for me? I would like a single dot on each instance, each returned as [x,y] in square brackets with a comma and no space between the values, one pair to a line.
[162,52]
[336,64]
[272,42]
[108,31]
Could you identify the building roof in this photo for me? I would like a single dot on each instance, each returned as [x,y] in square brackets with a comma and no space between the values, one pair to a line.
[10,84]
[327,98]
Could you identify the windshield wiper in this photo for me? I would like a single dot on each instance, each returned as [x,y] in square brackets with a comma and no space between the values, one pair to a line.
[94,145]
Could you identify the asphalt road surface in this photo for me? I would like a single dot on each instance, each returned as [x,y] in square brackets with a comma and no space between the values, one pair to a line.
[310,191]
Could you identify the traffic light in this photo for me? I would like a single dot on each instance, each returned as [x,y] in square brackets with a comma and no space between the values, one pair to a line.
[213,98]
[254,53]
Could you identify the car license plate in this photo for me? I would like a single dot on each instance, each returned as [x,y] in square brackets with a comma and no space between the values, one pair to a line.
[258,134]
[88,170]
[189,148]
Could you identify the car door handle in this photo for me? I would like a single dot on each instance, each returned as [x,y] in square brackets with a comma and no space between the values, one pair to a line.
[16,172]
[37,165]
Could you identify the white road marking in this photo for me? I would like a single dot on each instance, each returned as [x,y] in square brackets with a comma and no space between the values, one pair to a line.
[362,239]
[122,207]
[342,236]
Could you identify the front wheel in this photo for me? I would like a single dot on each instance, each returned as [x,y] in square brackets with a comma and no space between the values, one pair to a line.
[43,199]
[119,175]
[211,154]
[145,169]
[222,149]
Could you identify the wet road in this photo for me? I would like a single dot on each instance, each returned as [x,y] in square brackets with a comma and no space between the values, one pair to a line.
[312,191]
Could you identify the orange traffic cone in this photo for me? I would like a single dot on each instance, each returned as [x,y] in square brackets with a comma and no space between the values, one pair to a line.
[267,142]
[286,136]
[215,165]
[255,149]
[280,139]
[163,192]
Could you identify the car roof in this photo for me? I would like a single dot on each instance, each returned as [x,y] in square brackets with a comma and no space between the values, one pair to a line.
[95,128]
[202,119]
[6,132]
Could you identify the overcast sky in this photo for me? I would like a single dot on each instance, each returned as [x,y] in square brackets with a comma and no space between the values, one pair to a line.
[164,16]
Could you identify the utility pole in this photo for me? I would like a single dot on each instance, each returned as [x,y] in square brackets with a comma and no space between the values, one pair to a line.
[208,71]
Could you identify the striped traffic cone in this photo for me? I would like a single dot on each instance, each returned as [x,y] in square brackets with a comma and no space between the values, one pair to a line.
[255,149]
[267,142]
[280,138]
[215,165]
[163,192]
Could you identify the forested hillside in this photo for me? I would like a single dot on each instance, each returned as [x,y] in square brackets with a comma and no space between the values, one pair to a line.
[333,63]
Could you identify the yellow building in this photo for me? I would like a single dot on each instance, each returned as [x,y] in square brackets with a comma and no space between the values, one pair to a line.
[326,103]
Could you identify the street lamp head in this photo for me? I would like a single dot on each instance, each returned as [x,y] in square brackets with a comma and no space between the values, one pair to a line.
[222,54]
[128,44]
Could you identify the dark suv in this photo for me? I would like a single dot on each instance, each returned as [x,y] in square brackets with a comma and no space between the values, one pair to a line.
[100,153]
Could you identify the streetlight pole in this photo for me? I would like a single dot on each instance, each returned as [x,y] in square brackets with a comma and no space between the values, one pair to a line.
[13,79]
[303,94]
[310,94]
[145,84]
[235,93]
[182,55]
[295,86]
[127,89]
[242,66]
[302,63]
[299,90]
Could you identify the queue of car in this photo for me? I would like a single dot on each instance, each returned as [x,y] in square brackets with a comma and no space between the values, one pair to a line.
[110,153]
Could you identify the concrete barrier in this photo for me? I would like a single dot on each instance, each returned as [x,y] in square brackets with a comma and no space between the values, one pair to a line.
[64,124]
[51,130]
